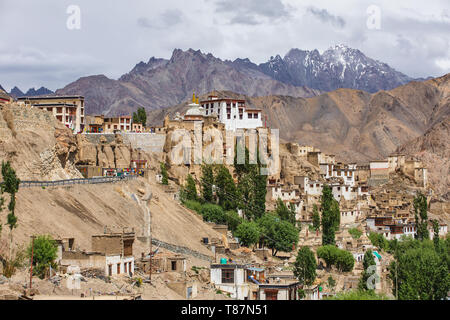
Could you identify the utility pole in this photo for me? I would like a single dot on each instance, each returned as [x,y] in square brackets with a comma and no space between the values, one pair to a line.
[31,260]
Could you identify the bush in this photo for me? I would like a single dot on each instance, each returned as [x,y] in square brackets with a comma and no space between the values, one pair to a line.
[233,219]
[193,205]
[345,261]
[248,233]
[213,213]
[328,253]
[332,255]
[358,295]
[44,255]
[378,240]
[355,233]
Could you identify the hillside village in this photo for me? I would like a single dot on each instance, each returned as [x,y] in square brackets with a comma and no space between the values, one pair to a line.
[113,198]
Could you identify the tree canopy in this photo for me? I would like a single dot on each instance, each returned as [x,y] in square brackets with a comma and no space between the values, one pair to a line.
[305,266]
[248,233]
[140,116]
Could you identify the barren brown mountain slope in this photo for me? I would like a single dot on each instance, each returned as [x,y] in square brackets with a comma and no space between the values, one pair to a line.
[40,148]
[83,210]
[353,124]
[433,148]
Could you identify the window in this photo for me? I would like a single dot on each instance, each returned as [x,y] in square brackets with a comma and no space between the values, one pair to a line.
[228,116]
[174,265]
[240,117]
[109,270]
[250,115]
[118,268]
[271,294]
[227,275]
[255,116]
[125,267]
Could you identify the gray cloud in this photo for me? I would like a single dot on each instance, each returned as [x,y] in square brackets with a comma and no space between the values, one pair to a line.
[324,16]
[251,12]
[115,35]
[167,19]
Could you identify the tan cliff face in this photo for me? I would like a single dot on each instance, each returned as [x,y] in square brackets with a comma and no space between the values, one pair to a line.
[37,145]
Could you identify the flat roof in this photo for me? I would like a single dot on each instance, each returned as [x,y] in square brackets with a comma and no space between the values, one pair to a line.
[49,98]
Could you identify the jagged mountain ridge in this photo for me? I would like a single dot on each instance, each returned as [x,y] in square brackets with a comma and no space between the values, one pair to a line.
[353,124]
[16,92]
[161,82]
[338,67]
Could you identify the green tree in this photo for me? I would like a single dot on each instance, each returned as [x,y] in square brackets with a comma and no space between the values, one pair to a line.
[419,272]
[285,213]
[436,234]
[213,213]
[331,283]
[44,255]
[140,116]
[233,219]
[345,261]
[190,189]
[252,185]
[277,234]
[328,253]
[10,185]
[421,216]
[355,233]
[316,218]
[367,262]
[164,174]
[305,266]
[330,216]
[378,240]
[226,189]
[248,233]
[207,182]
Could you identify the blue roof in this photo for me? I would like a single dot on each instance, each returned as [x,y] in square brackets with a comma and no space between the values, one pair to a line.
[255,269]
[377,255]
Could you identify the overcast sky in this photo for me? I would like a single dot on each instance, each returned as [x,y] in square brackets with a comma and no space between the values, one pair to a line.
[38,49]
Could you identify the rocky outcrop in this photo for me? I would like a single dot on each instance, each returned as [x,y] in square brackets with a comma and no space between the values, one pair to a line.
[38,146]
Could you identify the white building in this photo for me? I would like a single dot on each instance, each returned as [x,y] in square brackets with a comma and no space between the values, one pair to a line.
[284,194]
[230,278]
[233,113]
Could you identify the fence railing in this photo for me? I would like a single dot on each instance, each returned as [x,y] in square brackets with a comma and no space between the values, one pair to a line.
[29,184]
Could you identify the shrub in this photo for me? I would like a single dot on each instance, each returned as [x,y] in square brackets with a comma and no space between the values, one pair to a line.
[233,219]
[44,254]
[332,255]
[378,240]
[358,295]
[356,233]
[345,261]
[248,233]
[328,253]
[193,205]
[213,213]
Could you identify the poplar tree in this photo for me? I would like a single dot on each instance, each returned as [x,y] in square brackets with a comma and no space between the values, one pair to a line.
[190,190]
[226,189]
[330,216]
[305,266]
[316,218]
[10,185]
[367,262]
[207,181]
[421,216]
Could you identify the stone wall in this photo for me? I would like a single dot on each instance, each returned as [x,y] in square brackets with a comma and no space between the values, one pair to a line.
[148,142]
